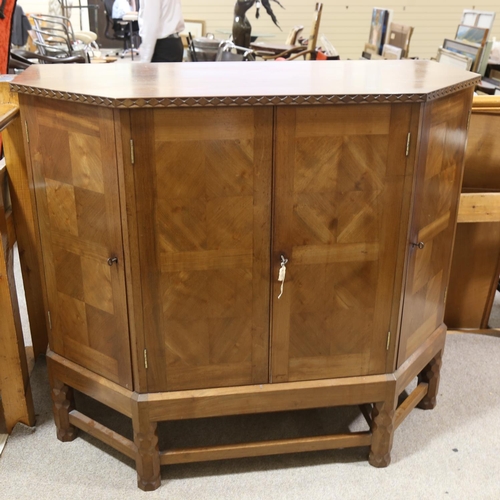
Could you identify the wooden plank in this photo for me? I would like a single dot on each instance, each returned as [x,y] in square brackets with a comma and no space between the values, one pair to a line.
[26,222]
[263,398]
[7,114]
[102,433]
[15,389]
[479,207]
[490,104]
[494,332]
[264,448]
[410,403]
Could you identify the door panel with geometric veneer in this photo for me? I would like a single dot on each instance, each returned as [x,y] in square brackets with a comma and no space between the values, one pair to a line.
[206,231]
[76,186]
[340,172]
[437,191]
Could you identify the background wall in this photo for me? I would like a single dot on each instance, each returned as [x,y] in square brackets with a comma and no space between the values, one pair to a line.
[346,25]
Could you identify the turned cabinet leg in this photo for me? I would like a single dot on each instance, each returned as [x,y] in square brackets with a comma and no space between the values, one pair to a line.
[382,433]
[148,455]
[62,404]
[430,375]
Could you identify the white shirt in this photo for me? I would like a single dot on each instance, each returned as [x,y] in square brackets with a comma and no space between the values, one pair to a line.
[120,8]
[158,19]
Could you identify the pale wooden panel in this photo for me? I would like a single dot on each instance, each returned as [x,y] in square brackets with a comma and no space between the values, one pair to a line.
[479,207]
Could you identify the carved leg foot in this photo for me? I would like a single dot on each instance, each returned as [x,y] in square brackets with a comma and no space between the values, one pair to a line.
[148,456]
[62,404]
[383,433]
[430,375]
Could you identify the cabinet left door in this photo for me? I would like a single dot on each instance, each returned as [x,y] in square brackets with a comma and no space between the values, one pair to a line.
[73,160]
[203,203]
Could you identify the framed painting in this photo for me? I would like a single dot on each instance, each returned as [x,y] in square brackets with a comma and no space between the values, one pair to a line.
[453,59]
[472,34]
[400,36]
[391,52]
[479,18]
[467,49]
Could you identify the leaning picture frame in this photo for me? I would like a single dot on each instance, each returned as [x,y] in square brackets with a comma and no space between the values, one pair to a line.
[400,36]
[391,52]
[472,34]
[196,28]
[473,51]
[479,18]
[445,56]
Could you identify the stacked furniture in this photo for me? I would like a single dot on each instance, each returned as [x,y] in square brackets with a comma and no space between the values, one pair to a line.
[244,241]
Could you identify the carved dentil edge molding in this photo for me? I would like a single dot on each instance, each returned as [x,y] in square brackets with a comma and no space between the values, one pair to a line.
[196,102]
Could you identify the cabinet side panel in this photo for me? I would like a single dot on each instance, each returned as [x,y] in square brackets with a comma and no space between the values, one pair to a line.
[73,154]
[438,180]
[340,173]
[205,244]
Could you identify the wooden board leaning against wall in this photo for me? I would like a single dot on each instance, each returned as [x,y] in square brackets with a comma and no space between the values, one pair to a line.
[476,259]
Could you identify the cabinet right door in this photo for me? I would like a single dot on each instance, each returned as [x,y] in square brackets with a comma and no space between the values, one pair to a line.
[339,180]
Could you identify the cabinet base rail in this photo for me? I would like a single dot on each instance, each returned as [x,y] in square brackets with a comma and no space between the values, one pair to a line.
[376,395]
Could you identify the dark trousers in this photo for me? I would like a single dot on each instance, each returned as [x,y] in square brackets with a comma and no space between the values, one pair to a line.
[168,50]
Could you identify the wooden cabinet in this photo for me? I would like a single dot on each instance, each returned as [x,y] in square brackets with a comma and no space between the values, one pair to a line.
[167,214]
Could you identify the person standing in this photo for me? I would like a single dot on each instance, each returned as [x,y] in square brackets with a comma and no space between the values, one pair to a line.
[160,22]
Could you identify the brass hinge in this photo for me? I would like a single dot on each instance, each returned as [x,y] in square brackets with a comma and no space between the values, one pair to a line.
[132,152]
[145,359]
[408,138]
[27,133]
[388,340]
[50,319]
[468,120]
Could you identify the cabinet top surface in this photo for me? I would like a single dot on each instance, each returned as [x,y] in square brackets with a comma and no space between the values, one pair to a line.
[257,83]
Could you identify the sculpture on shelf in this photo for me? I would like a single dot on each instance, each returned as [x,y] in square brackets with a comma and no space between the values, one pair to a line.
[242,28]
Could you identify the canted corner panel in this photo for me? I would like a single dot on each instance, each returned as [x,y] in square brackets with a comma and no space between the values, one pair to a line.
[437,190]
[212,175]
[75,174]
